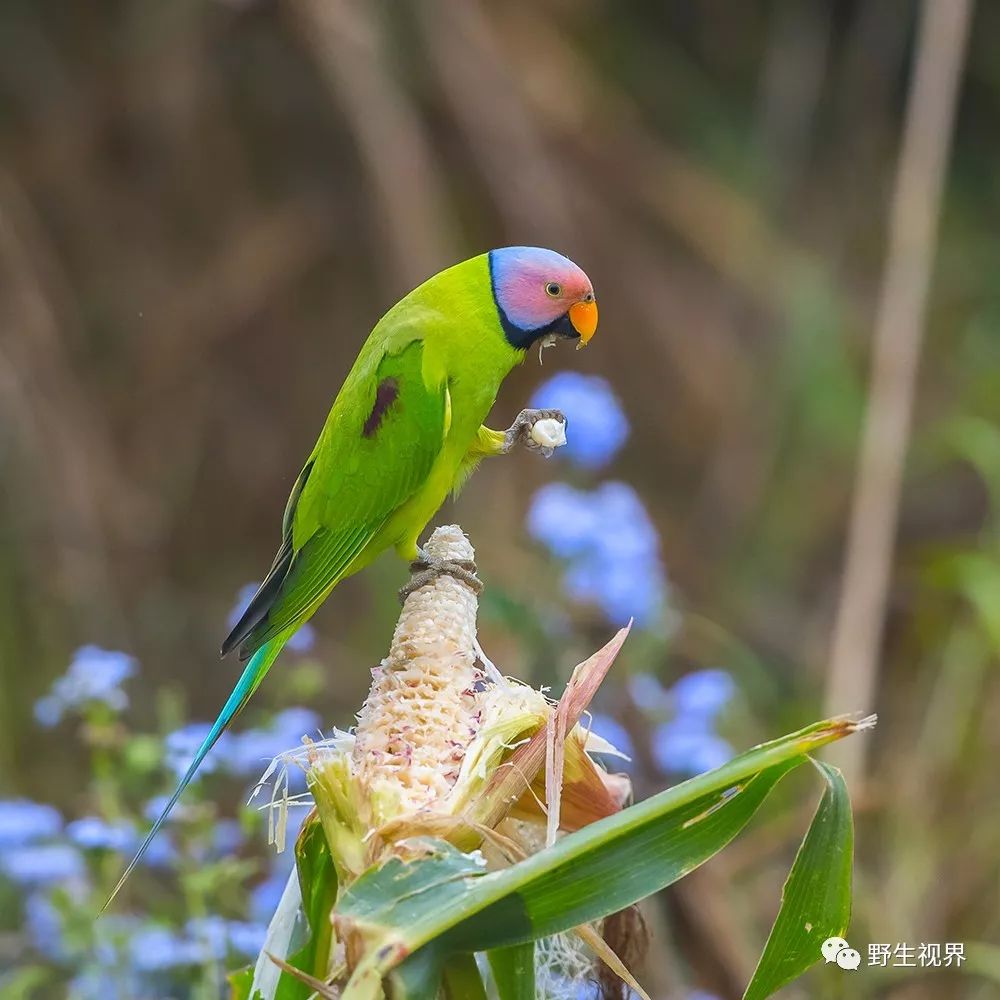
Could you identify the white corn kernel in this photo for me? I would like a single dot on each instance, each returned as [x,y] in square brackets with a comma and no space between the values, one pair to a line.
[422,711]
[549,432]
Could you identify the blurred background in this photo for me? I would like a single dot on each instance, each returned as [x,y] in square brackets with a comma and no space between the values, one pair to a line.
[204,208]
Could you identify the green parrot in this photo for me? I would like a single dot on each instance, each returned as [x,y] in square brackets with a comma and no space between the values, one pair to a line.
[405,430]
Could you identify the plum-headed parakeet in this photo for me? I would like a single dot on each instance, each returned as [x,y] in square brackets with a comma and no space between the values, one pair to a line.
[405,430]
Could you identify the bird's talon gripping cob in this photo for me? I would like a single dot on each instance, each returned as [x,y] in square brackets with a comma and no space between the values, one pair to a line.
[428,568]
[537,430]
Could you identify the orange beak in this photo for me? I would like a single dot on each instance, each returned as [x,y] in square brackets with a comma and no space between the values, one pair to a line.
[583,316]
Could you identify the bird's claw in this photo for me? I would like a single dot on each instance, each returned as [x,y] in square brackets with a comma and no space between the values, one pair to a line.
[520,432]
[426,569]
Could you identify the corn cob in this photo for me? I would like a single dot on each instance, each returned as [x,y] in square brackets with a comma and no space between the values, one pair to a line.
[423,711]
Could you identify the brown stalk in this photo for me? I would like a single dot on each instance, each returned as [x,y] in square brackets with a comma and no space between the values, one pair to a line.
[352,51]
[899,324]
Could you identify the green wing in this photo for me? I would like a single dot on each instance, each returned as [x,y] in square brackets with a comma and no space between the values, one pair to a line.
[378,446]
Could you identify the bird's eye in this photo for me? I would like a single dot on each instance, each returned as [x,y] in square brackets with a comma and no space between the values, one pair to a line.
[589,297]
[554,289]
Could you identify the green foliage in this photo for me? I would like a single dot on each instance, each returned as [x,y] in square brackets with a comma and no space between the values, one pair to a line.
[513,970]
[816,900]
[417,918]
[318,888]
[177,942]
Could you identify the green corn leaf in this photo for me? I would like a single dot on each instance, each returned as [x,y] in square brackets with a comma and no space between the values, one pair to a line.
[396,894]
[816,899]
[401,892]
[318,886]
[287,932]
[446,898]
[318,889]
[300,932]
[445,901]
[514,971]
[240,983]
[462,979]
[558,889]
[419,912]
[418,979]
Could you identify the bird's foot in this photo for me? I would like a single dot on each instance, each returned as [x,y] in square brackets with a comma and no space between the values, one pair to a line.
[538,430]
[426,569]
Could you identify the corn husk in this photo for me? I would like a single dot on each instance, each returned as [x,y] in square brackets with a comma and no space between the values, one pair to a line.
[444,748]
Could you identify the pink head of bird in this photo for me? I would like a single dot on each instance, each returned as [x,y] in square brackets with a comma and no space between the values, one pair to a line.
[540,293]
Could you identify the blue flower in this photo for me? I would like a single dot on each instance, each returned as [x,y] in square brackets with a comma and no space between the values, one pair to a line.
[253,749]
[44,924]
[626,530]
[94,674]
[97,983]
[649,694]
[182,744]
[703,693]
[216,937]
[227,837]
[620,589]
[613,731]
[41,865]
[597,425]
[226,840]
[247,939]
[610,544]
[563,519]
[301,641]
[687,743]
[211,933]
[95,833]
[685,748]
[23,822]
[48,711]
[154,806]
[296,723]
[156,949]
[243,598]
[556,984]
[700,695]
[161,853]
[264,898]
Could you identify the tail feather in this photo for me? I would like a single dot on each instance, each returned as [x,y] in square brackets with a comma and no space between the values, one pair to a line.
[260,603]
[254,673]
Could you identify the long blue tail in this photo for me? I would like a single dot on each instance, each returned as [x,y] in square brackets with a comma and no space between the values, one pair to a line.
[254,673]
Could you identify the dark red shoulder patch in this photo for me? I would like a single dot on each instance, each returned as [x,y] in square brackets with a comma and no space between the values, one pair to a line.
[385,395]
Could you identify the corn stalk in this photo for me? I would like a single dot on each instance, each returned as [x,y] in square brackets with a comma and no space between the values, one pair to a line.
[466,815]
